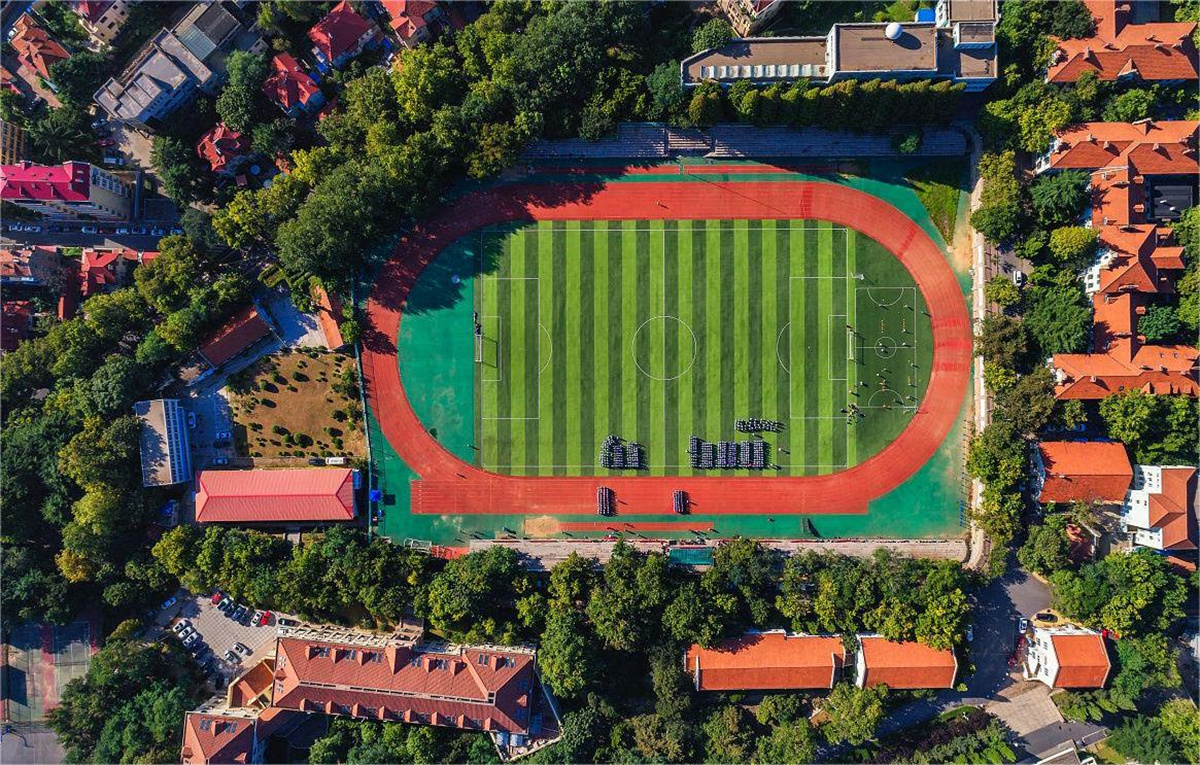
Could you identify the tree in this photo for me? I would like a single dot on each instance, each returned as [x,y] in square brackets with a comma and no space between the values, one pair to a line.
[1159,429]
[474,595]
[1144,663]
[668,99]
[1129,593]
[1144,739]
[1073,246]
[104,452]
[706,105]
[999,216]
[712,34]
[1046,549]
[1001,289]
[179,169]
[63,134]
[566,656]
[1180,720]
[854,713]
[1003,341]
[1059,318]
[1059,198]
[79,77]
[1159,323]
[1029,403]
[1132,105]
[728,736]
[790,741]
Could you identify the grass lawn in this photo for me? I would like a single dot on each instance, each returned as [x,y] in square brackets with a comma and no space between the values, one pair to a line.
[294,405]
[657,331]
[938,184]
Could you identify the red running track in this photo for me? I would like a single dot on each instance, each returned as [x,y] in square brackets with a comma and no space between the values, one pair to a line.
[449,486]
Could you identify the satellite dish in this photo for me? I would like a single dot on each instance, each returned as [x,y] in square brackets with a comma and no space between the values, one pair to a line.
[893,31]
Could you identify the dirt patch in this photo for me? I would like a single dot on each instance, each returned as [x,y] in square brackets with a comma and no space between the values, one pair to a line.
[293,406]
[541,526]
[961,257]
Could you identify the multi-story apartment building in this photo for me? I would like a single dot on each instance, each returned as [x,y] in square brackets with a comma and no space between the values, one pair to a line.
[67,191]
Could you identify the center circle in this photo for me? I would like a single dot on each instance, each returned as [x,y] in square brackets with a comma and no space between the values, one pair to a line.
[650,348]
[885,347]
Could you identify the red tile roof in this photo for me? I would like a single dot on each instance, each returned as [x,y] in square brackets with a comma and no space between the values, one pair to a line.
[221,145]
[339,32]
[907,665]
[1122,361]
[1082,661]
[766,661]
[1167,147]
[1137,265]
[1155,51]
[1084,471]
[35,48]
[1170,509]
[244,329]
[92,10]
[408,16]
[17,321]
[471,688]
[68,182]
[300,495]
[216,738]
[289,85]
[36,264]
[329,314]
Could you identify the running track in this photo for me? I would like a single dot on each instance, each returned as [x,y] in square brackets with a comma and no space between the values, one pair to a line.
[449,486]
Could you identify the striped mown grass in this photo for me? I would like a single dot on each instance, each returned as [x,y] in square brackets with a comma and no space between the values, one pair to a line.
[659,330]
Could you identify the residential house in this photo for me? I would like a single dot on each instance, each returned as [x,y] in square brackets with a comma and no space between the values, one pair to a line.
[1067,657]
[291,88]
[104,270]
[1142,171]
[1081,471]
[490,689]
[67,191]
[300,495]
[747,17]
[340,36]
[1134,258]
[1123,50]
[177,64]
[37,266]
[959,46]
[14,144]
[103,19]
[35,48]
[415,21]
[242,330]
[16,323]
[224,149]
[903,665]
[1158,510]
[767,661]
[166,456]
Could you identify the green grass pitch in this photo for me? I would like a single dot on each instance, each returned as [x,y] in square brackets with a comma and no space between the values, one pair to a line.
[659,330]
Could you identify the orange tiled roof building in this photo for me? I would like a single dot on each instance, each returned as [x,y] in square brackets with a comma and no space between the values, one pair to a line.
[1122,49]
[1067,657]
[763,661]
[1157,512]
[1081,471]
[35,48]
[489,689]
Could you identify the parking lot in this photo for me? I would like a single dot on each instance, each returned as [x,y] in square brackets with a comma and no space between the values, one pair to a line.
[220,632]
[213,417]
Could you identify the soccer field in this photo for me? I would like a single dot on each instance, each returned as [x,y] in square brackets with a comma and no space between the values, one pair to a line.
[660,331]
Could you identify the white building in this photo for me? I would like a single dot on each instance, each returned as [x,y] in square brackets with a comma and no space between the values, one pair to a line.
[166,455]
[1067,657]
[1157,511]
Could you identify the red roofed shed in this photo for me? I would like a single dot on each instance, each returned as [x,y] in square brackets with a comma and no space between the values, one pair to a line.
[1083,471]
[767,661]
[244,329]
[301,495]
[907,665]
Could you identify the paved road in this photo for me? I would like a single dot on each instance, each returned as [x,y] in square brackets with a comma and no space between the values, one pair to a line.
[1000,604]
[30,744]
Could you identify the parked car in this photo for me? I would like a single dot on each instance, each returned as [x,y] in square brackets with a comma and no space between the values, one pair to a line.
[283,621]
[90,230]
[14,226]
[221,461]
[139,230]
[1023,626]
[1045,616]
[185,632]
[192,638]
[156,231]
[242,648]
[225,604]
[238,613]
[198,648]
[168,603]
[180,625]
[223,435]
[256,620]
[267,617]
[176,230]
[232,657]
[122,229]
[216,598]
[970,633]
[191,420]
[106,142]
[32,228]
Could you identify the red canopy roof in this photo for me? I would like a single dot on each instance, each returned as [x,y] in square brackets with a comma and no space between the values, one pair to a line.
[273,496]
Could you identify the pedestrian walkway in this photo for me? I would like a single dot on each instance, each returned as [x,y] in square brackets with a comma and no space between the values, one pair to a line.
[640,140]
